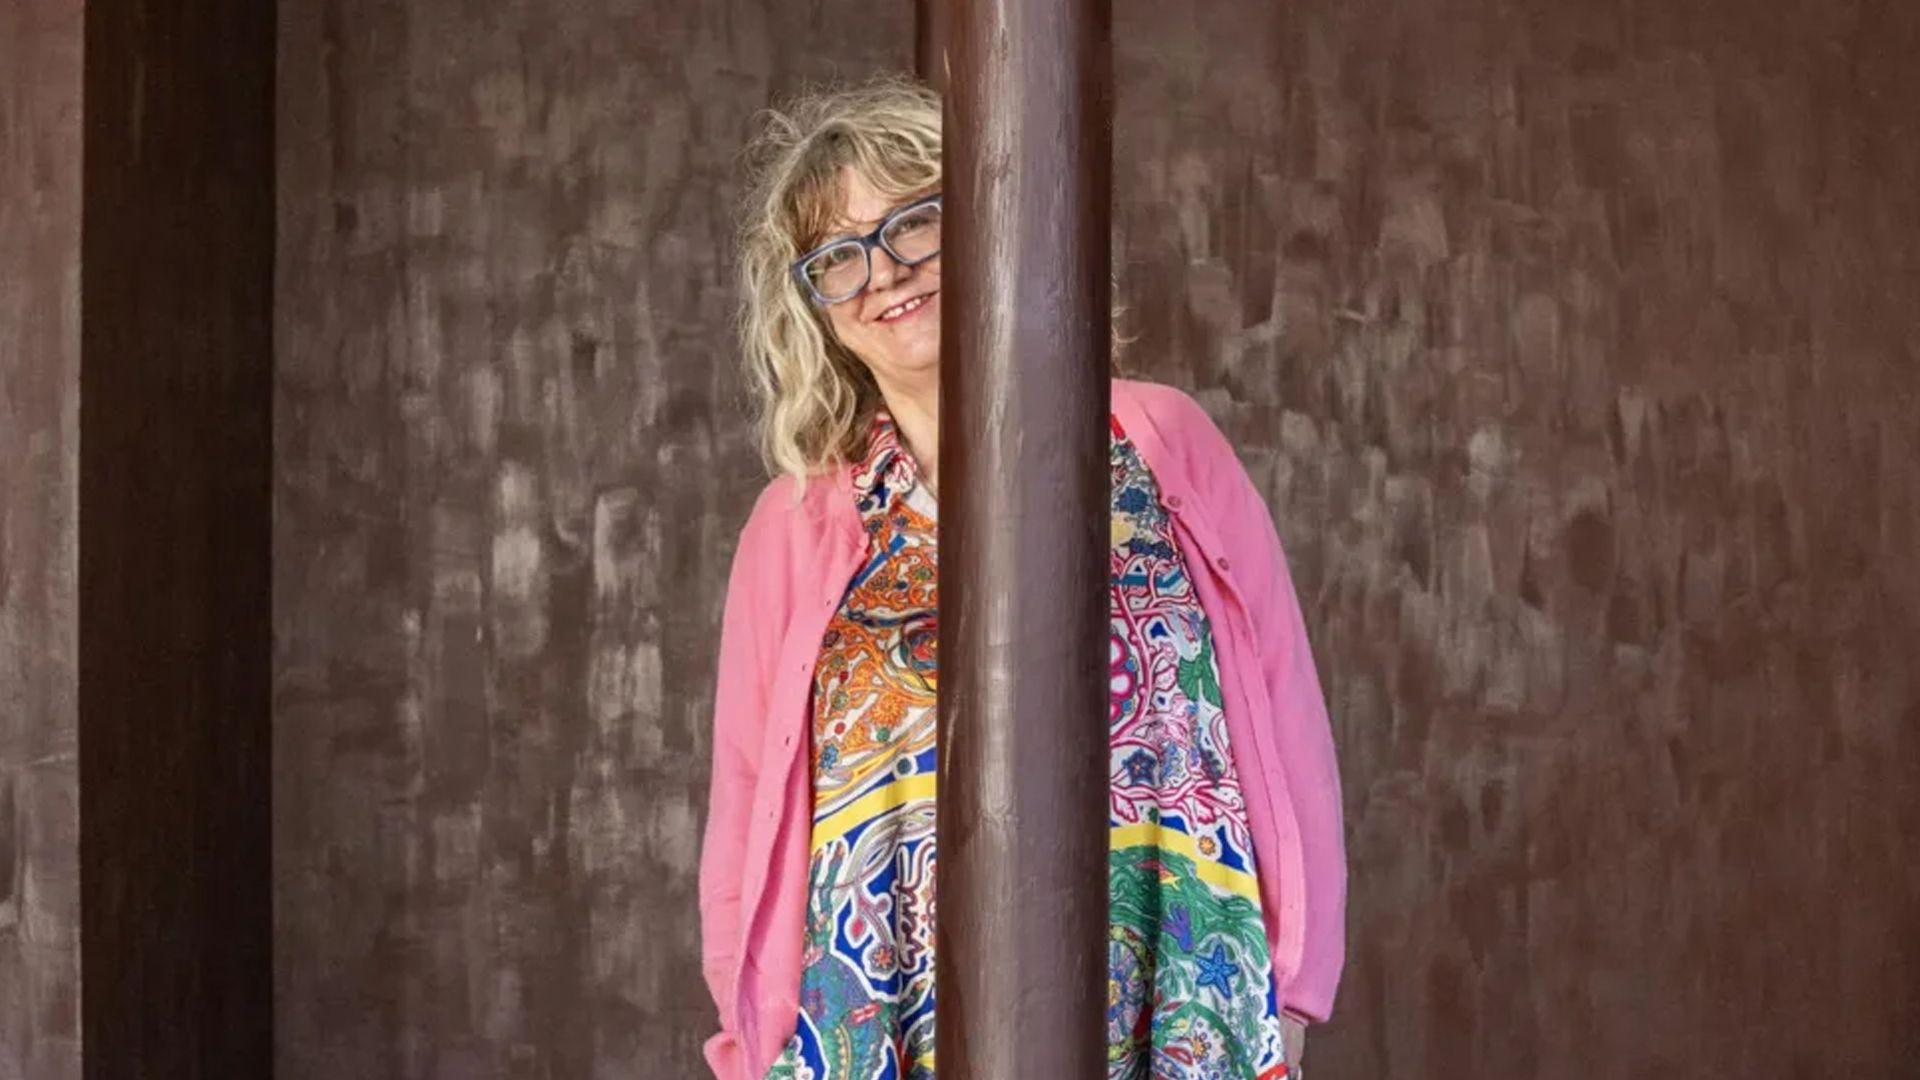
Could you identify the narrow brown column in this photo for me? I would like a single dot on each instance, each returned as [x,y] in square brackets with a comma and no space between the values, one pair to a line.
[1022,884]
[930,42]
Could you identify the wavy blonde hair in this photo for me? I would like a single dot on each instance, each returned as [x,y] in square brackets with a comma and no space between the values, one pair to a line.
[813,398]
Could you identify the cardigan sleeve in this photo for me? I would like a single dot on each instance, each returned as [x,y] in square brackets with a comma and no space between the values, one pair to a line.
[748,649]
[1301,726]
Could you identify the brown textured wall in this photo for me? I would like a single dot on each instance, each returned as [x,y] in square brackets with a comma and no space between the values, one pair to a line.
[1574,343]
[511,466]
[1571,339]
[40,97]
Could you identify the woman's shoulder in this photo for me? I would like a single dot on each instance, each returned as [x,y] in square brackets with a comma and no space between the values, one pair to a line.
[787,513]
[780,548]
[1154,397]
[1179,421]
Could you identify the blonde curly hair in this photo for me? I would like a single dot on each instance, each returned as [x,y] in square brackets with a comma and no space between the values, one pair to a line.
[813,398]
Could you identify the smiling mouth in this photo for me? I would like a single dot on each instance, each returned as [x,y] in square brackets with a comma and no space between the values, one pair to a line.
[906,307]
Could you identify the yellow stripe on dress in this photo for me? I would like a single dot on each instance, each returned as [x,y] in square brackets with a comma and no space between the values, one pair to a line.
[890,796]
[858,776]
[1155,834]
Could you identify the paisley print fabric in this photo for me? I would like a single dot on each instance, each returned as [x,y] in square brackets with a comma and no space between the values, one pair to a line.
[1190,994]
[866,985]
[1190,981]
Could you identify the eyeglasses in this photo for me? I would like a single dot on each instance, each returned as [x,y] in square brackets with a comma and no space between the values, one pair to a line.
[837,271]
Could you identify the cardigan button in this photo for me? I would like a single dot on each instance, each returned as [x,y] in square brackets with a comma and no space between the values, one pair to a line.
[1223,564]
[1173,501]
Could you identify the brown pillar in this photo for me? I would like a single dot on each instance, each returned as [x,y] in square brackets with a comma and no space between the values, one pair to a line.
[175,507]
[1021,937]
[930,41]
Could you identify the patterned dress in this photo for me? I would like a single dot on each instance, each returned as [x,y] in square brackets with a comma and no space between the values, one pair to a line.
[1190,983]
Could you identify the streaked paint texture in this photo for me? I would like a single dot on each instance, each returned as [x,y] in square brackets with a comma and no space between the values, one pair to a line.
[1572,341]
[512,460]
[40,95]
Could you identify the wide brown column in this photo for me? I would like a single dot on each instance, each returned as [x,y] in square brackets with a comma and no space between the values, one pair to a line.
[1022,885]
[175,511]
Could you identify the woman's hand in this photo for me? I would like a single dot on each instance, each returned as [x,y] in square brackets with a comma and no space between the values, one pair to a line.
[1294,1031]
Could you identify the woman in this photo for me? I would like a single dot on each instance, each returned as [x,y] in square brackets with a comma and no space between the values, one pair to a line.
[1226,872]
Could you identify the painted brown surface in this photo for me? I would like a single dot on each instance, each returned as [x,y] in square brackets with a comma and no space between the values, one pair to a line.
[175,486]
[40,95]
[1575,345]
[1021,948]
[512,464]
[930,33]
[1572,342]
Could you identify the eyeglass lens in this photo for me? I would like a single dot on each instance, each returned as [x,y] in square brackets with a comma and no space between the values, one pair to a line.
[843,269]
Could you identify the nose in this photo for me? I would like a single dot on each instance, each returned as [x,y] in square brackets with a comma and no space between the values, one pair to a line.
[881,269]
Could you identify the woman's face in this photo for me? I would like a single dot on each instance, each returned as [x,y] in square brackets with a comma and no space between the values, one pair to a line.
[897,339]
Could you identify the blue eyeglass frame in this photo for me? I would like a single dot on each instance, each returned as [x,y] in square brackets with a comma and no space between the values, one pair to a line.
[867,244]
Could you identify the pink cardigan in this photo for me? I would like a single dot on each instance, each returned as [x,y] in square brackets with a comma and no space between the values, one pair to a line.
[793,564]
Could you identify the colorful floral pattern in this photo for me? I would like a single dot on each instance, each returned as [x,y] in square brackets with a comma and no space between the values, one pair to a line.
[1190,994]
[866,987]
[1190,982]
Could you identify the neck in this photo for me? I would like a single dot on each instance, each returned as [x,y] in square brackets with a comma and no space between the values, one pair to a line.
[916,412]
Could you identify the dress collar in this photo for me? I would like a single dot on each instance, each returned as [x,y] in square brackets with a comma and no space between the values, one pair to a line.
[887,467]
[886,470]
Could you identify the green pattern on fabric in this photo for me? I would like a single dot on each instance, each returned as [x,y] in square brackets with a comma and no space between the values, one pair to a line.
[1156,898]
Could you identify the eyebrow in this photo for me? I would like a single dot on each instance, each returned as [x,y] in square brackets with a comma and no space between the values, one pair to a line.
[840,230]
[850,230]
[857,228]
